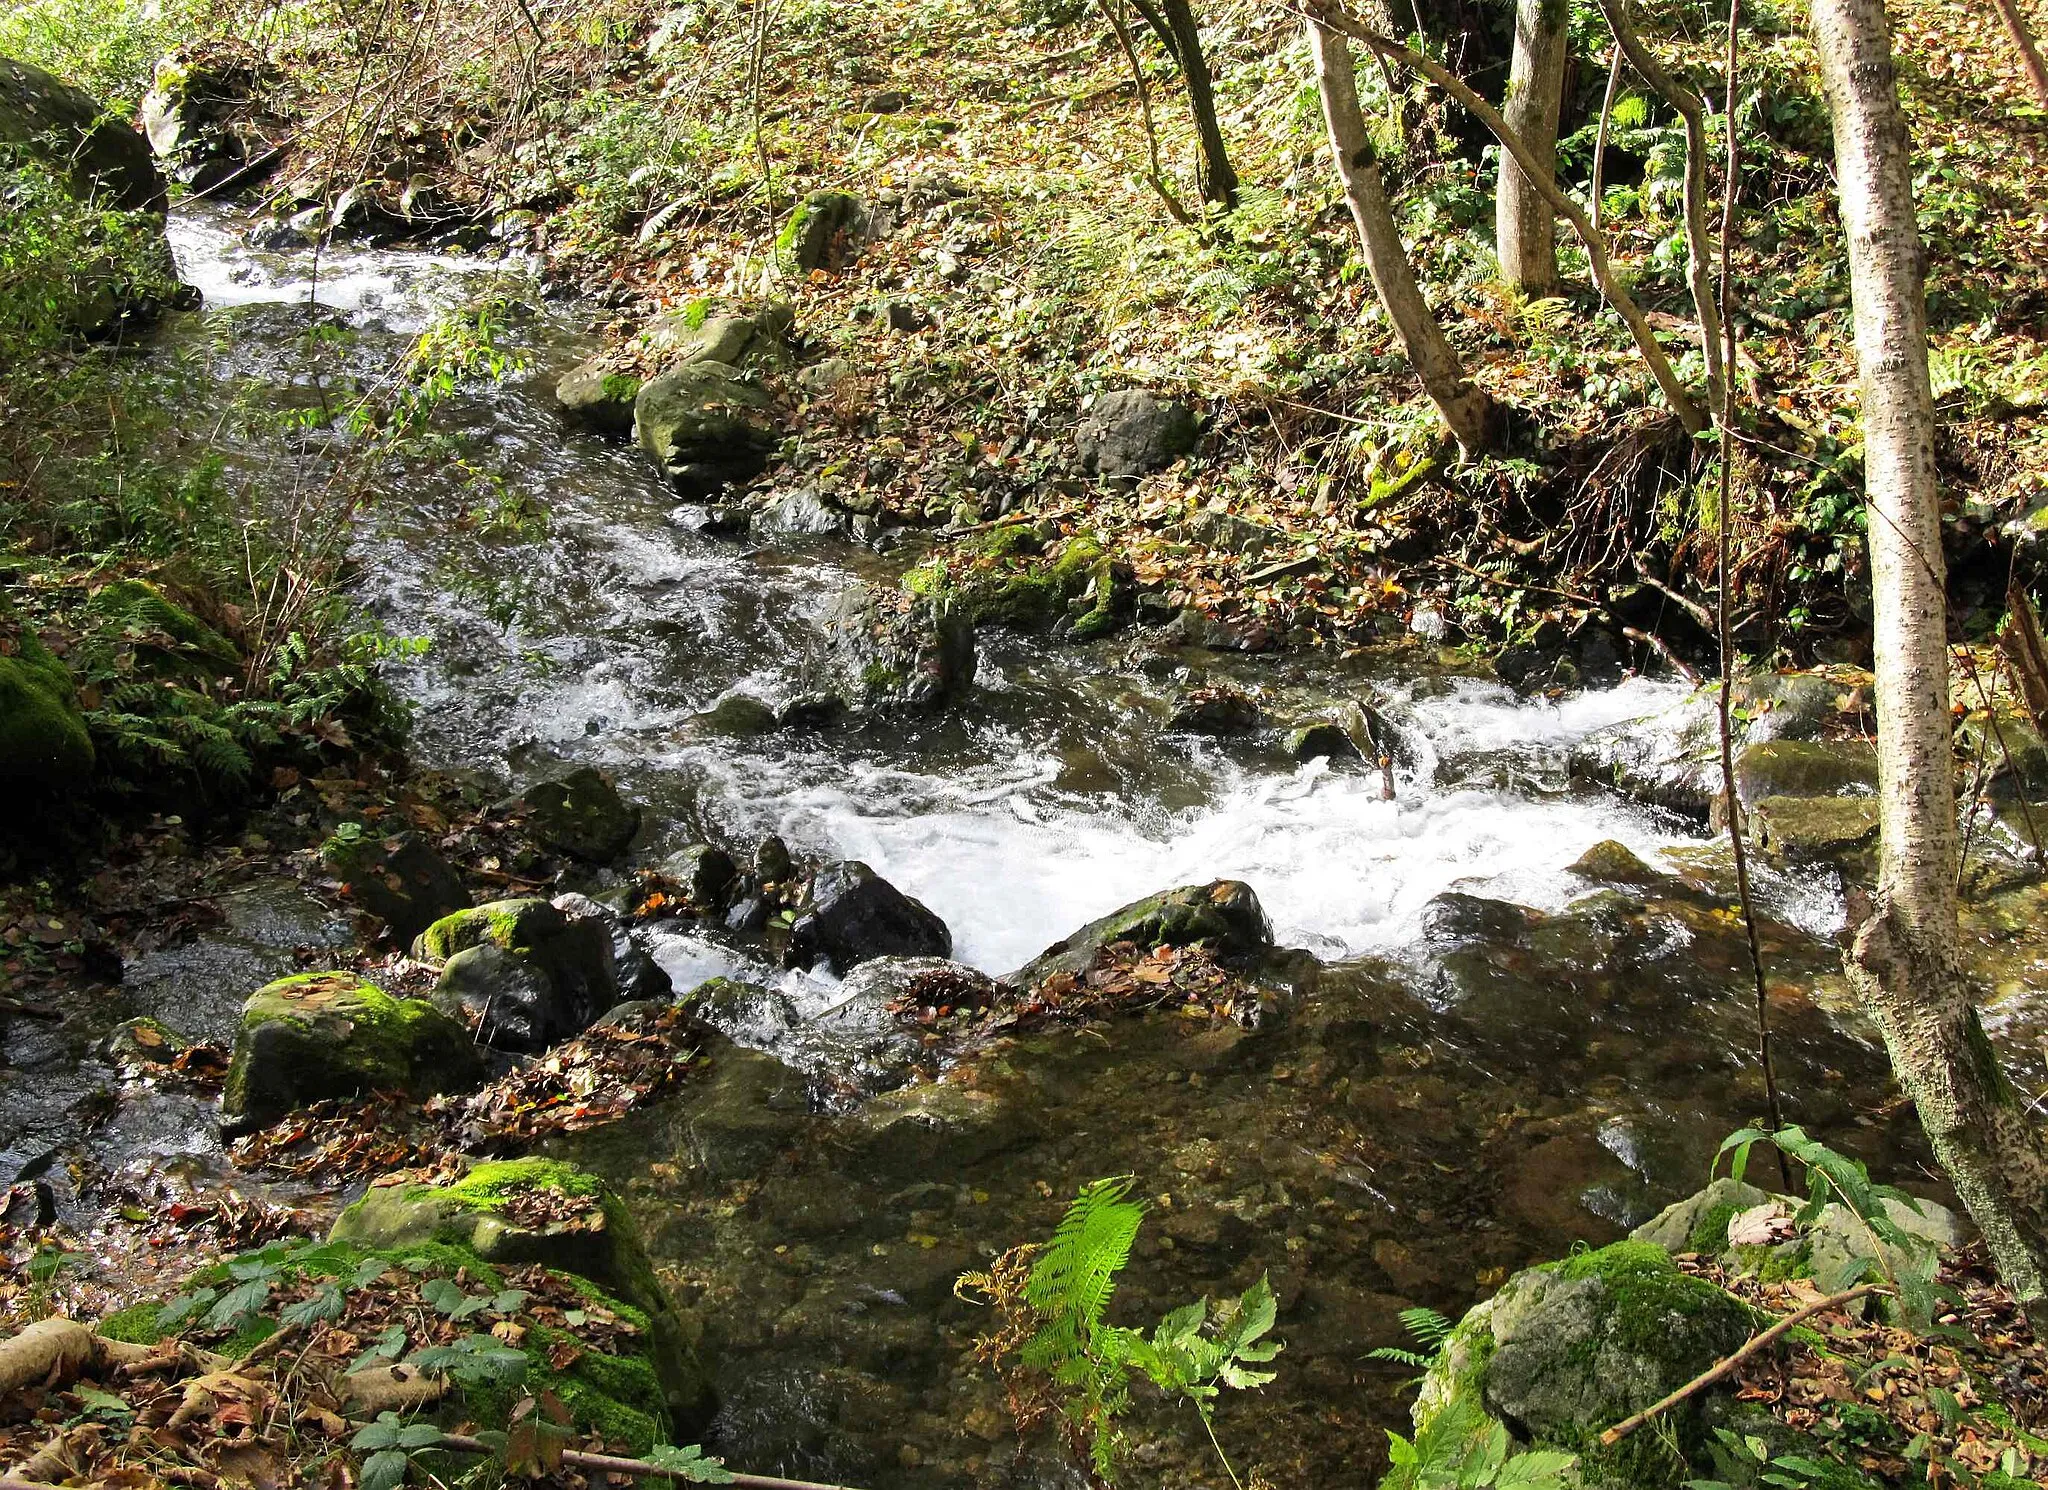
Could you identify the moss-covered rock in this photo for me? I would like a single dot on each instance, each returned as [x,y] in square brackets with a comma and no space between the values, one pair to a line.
[43,739]
[1021,577]
[104,159]
[890,650]
[1616,864]
[756,337]
[1805,768]
[704,427]
[1834,830]
[521,1211]
[1225,913]
[319,1035]
[599,396]
[173,632]
[526,972]
[1751,1231]
[398,879]
[622,1397]
[1565,1351]
[819,232]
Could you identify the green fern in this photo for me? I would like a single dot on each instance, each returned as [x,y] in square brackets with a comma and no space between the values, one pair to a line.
[1092,1364]
[1428,1329]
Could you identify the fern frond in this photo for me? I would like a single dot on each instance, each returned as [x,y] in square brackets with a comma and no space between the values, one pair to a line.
[1429,1328]
[1076,1274]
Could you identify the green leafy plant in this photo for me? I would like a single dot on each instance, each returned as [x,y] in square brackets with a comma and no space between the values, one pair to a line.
[1460,1448]
[1057,1350]
[389,1445]
[1426,1328]
[691,1464]
[1907,1262]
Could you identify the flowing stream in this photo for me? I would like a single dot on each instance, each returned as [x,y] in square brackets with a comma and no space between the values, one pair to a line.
[1438,1107]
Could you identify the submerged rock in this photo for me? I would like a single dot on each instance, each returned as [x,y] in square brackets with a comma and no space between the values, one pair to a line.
[1322,741]
[799,514]
[319,1035]
[518,1212]
[1215,710]
[580,814]
[864,1044]
[399,880]
[526,972]
[1565,1351]
[1225,913]
[886,649]
[851,914]
[1130,433]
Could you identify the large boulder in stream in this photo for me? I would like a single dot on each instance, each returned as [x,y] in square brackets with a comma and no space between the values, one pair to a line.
[850,914]
[318,1035]
[889,649]
[1226,914]
[527,973]
[603,394]
[104,160]
[704,426]
[518,1212]
[1565,1351]
[43,742]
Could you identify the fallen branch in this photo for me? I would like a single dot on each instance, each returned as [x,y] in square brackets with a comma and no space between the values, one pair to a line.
[1658,645]
[638,1468]
[1722,1367]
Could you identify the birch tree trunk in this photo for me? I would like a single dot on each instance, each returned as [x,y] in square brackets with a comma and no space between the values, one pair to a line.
[1475,420]
[1524,226]
[1906,961]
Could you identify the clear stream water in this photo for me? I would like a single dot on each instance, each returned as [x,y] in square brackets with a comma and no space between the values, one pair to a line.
[1427,1113]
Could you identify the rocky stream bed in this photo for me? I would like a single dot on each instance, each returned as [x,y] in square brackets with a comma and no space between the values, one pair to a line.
[1504,1005]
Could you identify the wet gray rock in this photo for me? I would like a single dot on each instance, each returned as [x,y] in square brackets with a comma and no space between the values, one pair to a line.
[1751,1231]
[1224,913]
[635,973]
[399,880]
[185,116]
[1841,831]
[599,396]
[1321,742]
[1215,710]
[705,872]
[800,514]
[867,1047]
[851,914]
[704,427]
[905,1136]
[760,1016]
[1455,919]
[772,861]
[579,813]
[1669,760]
[743,339]
[886,649]
[739,715]
[528,972]
[136,1044]
[1131,433]
[749,1108]
[103,159]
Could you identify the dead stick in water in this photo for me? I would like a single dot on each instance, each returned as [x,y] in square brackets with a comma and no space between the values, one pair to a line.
[613,1464]
[1722,1367]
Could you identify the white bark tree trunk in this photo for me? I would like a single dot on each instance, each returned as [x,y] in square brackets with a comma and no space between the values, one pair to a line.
[1474,419]
[1524,226]
[1906,959]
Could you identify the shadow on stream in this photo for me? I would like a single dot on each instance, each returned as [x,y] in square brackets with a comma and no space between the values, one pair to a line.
[1496,1058]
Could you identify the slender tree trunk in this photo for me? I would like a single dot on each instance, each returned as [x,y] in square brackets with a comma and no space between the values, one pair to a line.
[1216,177]
[1524,226]
[1699,259]
[1906,960]
[2023,42]
[1474,418]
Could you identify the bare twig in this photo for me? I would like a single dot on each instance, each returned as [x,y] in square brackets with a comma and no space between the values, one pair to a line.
[1725,586]
[1662,648]
[1727,1364]
[1112,11]
[638,1468]
[1600,140]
